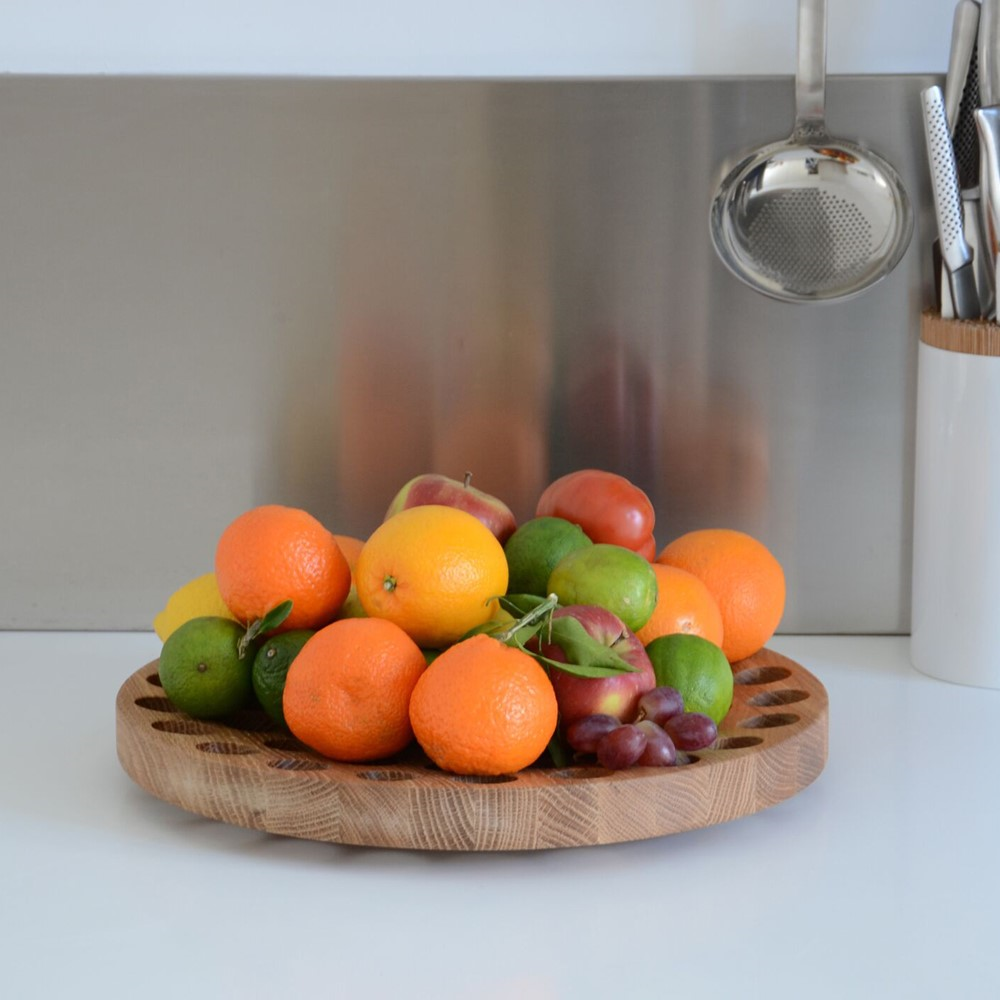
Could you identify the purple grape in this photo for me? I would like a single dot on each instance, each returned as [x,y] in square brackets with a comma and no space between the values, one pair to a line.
[691,731]
[660,750]
[585,733]
[621,748]
[660,704]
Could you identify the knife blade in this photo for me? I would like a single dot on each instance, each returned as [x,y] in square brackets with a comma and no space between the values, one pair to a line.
[988,123]
[963,55]
[988,55]
[956,255]
[961,98]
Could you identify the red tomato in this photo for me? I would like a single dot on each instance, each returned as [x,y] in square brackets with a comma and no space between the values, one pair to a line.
[607,506]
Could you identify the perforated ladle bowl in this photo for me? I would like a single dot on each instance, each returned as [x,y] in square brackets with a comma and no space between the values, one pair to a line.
[811,217]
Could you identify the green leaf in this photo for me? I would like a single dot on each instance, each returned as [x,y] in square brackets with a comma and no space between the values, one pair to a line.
[586,656]
[275,616]
[559,752]
[270,621]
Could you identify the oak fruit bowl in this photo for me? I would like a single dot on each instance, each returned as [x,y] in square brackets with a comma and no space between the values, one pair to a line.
[251,773]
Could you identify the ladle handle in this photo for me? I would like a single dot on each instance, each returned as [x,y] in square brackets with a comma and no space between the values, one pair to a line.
[810,77]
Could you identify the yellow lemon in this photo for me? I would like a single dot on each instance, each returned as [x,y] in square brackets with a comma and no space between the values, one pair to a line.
[198,598]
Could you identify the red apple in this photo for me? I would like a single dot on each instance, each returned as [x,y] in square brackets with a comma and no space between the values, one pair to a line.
[617,695]
[431,488]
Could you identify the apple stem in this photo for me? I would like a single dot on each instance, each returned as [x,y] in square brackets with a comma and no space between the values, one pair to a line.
[467,481]
[539,611]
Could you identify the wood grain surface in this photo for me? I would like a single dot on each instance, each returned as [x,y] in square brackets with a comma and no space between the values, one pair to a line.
[772,744]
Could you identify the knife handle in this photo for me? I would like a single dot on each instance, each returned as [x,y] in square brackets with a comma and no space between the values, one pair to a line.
[955,253]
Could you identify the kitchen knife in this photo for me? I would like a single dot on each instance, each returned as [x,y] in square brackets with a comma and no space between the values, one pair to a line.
[988,123]
[964,35]
[988,55]
[961,98]
[956,255]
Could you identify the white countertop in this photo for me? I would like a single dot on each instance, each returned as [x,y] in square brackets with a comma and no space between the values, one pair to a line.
[880,880]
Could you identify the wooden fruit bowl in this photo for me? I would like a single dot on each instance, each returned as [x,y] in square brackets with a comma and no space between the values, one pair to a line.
[772,744]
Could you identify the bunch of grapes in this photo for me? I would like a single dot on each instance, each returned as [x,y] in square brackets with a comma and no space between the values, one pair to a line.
[661,728]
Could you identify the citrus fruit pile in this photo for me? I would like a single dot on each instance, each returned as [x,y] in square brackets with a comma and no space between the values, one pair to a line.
[491,645]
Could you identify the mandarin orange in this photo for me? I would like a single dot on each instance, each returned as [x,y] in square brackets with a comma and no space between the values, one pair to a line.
[483,708]
[271,554]
[347,692]
[351,547]
[683,604]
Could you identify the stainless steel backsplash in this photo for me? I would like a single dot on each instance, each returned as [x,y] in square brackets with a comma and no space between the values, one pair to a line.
[221,292]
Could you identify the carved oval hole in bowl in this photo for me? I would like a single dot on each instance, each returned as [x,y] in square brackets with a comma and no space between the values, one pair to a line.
[737,742]
[772,721]
[154,679]
[186,727]
[761,675]
[788,696]
[236,749]
[157,704]
[286,744]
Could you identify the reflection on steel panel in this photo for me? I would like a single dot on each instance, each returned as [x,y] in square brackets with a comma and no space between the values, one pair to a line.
[217,293]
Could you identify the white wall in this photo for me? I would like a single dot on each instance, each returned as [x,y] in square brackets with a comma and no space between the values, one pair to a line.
[462,37]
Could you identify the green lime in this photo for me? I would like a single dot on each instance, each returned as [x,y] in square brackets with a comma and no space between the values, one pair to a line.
[610,576]
[698,669]
[534,550]
[270,666]
[201,670]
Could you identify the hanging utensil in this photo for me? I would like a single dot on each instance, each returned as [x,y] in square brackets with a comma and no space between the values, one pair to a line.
[811,218]
[956,256]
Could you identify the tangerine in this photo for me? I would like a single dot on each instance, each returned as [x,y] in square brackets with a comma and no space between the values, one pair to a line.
[683,604]
[271,554]
[347,691]
[743,576]
[351,548]
[483,708]
[435,571]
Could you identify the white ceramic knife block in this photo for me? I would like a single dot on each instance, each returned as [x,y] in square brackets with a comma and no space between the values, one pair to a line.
[955,634]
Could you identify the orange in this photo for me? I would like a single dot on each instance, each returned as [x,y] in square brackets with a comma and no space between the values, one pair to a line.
[272,554]
[742,575]
[347,692]
[483,708]
[433,570]
[351,547]
[683,604]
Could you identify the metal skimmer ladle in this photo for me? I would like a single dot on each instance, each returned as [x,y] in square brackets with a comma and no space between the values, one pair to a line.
[811,217]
